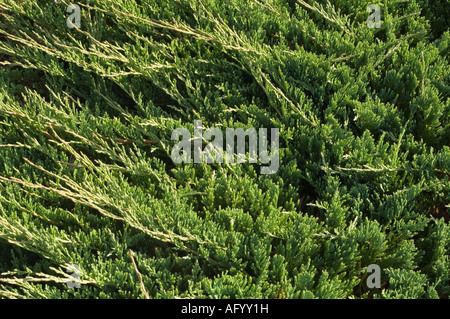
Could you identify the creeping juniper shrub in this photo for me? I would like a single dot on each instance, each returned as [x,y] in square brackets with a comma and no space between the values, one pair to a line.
[86,176]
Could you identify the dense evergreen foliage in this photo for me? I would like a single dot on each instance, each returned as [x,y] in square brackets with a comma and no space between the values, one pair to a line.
[86,176]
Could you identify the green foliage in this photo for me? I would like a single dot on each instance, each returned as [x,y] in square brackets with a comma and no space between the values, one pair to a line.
[86,176]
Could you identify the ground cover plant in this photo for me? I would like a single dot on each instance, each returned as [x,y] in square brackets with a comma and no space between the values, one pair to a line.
[93,206]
